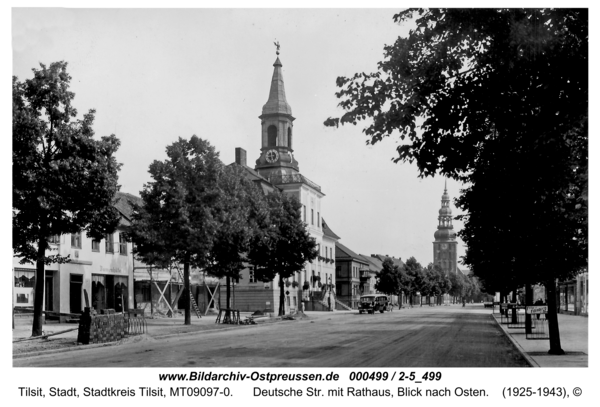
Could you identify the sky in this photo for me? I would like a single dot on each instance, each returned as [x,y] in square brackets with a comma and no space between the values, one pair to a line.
[155,75]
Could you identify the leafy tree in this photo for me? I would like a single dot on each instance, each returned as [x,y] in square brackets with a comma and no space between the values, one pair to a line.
[241,212]
[416,274]
[389,278]
[177,222]
[284,245]
[64,180]
[497,99]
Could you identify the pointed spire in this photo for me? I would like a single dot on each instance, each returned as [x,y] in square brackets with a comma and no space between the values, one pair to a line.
[445,196]
[277,103]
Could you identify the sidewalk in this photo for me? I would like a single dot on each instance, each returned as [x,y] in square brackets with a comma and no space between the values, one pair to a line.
[157,327]
[573,338]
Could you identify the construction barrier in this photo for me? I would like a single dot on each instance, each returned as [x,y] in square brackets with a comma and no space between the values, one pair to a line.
[516,316]
[539,322]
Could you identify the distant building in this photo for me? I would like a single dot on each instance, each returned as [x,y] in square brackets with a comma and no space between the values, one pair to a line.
[352,273]
[445,244]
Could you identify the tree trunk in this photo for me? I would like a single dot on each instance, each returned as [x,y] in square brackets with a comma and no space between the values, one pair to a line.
[528,301]
[186,291]
[555,348]
[38,297]
[514,310]
[281,298]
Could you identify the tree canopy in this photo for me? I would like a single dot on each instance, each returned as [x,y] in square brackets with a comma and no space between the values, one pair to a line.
[177,222]
[389,278]
[497,99]
[64,180]
[284,246]
[241,213]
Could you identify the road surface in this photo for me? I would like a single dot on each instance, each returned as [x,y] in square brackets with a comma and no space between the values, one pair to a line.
[442,336]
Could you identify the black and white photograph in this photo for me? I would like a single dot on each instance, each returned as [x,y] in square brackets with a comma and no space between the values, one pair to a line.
[310,204]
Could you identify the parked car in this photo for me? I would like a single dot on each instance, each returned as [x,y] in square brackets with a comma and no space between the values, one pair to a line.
[374,302]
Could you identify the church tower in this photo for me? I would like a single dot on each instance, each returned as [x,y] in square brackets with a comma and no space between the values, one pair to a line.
[444,247]
[276,160]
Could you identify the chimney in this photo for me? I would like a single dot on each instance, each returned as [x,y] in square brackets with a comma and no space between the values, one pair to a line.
[240,156]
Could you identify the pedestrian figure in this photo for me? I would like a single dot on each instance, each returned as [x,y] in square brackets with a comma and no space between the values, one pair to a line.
[329,303]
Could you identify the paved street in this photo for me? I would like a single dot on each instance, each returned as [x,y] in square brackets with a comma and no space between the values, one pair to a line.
[447,336]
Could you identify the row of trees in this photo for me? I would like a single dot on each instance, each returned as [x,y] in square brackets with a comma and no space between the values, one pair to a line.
[202,214]
[498,100]
[196,212]
[413,279]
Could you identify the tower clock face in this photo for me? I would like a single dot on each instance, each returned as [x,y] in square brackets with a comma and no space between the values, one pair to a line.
[444,246]
[272,156]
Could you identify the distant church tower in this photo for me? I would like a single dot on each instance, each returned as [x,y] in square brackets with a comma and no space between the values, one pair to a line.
[444,247]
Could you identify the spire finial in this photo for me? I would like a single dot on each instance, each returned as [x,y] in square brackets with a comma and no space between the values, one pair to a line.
[445,183]
[277,45]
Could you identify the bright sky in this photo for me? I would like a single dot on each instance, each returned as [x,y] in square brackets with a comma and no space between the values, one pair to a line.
[154,75]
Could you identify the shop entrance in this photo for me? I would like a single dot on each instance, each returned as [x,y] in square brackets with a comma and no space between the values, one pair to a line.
[109,292]
[49,294]
[75,290]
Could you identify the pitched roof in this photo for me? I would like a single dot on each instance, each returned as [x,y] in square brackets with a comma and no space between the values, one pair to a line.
[374,264]
[123,204]
[343,252]
[374,260]
[258,179]
[397,262]
[327,230]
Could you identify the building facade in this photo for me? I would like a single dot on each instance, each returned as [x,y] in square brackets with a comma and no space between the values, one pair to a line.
[100,273]
[277,168]
[445,244]
[353,276]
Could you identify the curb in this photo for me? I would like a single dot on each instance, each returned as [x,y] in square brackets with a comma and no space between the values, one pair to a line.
[63,350]
[519,348]
[165,336]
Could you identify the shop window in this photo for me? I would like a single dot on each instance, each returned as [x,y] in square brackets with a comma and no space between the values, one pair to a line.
[122,244]
[110,243]
[24,278]
[99,292]
[95,245]
[76,240]
[22,298]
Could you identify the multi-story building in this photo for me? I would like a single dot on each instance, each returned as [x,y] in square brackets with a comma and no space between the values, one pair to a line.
[353,275]
[277,168]
[100,272]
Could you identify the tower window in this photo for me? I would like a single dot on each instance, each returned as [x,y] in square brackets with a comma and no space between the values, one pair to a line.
[289,144]
[272,136]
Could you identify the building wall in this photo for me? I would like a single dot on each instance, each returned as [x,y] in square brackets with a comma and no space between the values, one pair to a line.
[573,295]
[445,258]
[70,281]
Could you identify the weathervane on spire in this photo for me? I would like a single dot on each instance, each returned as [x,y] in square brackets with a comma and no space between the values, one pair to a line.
[278,46]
